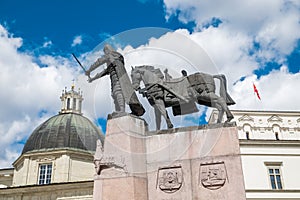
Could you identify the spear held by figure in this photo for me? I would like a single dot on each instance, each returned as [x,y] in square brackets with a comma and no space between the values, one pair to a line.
[81,65]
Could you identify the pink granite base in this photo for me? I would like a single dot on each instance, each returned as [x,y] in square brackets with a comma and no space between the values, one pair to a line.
[122,188]
[202,164]
[125,148]
[192,163]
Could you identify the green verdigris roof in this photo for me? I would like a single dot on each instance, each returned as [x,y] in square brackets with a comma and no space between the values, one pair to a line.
[64,131]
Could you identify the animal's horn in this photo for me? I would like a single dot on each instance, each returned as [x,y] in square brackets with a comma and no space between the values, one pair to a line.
[132,67]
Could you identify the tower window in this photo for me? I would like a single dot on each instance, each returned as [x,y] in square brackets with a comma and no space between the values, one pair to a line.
[45,172]
[74,103]
[79,106]
[68,104]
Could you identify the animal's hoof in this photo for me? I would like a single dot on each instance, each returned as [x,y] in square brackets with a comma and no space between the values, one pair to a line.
[229,118]
[170,126]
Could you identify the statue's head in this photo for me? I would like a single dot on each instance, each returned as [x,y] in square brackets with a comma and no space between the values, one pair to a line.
[107,49]
[184,73]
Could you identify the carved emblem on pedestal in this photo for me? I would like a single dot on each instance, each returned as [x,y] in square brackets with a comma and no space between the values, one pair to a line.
[169,179]
[213,175]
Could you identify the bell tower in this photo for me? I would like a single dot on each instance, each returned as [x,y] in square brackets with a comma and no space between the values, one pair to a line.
[71,101]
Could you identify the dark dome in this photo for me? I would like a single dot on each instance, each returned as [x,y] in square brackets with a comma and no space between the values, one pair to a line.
[64,131]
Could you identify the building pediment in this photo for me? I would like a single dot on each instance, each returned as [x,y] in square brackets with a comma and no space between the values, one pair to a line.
[246,118]
[275,118]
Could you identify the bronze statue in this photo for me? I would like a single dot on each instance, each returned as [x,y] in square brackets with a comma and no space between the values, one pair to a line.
[121,88]
[161,90]
[181,93]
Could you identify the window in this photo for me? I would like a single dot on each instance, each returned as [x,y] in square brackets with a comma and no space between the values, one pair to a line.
[247,135]
[68,104]
[276,130]
[247,129]
[276,136]
[45,173]
[275,177]
[74,103]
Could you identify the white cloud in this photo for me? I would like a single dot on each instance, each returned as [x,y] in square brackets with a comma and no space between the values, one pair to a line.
[277,91]
[278,37]
[228,50]
[175,50]
[26,89]
[273,24]
[77,41]
[47,44]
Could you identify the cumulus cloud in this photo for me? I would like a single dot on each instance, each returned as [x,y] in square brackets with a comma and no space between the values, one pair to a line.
[26,91]
[77,41]
[277,91]
[274,25]
[228,50]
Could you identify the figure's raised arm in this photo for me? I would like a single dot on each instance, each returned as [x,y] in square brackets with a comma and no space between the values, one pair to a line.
[99,75]
[95,65]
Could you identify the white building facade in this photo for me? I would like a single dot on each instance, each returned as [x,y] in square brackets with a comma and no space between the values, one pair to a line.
[270,153]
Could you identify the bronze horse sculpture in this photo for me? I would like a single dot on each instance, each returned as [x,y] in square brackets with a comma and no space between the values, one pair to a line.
[181,93]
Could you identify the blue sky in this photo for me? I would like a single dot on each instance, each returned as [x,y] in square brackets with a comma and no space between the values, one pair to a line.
[257,43]
[60,21]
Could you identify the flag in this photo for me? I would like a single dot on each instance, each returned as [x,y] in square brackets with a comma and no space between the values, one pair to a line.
[256,91]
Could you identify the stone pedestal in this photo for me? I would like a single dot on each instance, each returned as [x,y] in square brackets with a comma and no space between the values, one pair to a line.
[196,163]
[124,152]
[120,188]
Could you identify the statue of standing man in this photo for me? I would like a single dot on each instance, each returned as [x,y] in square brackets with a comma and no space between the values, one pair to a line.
[122,91]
